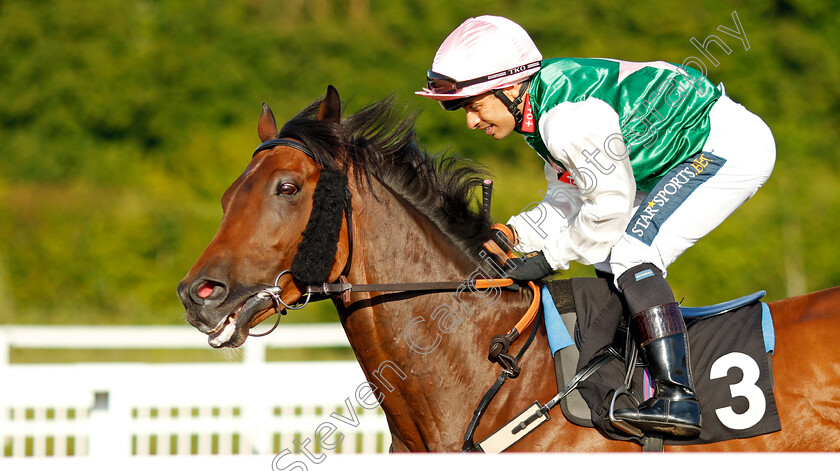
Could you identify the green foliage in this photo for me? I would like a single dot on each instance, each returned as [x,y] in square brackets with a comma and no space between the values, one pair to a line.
[124,121]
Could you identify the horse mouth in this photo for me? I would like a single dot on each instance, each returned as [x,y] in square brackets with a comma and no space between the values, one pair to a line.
[232,330]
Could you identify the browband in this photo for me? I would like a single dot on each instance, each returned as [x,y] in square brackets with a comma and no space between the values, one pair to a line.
[271,143]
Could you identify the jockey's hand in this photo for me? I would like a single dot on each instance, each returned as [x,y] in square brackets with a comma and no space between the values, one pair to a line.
[505,235]
[532,266]
[501,243]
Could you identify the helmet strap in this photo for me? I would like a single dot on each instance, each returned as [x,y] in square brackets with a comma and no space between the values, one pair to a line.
[513,105]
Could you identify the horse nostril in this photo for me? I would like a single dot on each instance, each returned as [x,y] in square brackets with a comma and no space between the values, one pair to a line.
[208,290]
[205,290]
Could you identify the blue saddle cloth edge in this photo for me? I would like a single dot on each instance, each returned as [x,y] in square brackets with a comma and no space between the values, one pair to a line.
[767,329]
[559,337]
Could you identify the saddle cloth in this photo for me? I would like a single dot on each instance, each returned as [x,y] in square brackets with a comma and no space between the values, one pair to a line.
[730,353]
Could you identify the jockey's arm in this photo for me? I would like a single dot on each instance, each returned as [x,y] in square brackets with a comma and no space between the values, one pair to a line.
[581,223]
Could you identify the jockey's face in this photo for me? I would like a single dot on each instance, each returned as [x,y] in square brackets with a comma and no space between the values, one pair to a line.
[490,115]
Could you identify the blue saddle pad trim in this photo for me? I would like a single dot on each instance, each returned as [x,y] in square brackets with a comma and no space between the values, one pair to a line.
[558,335]
[767,329]
[722,307]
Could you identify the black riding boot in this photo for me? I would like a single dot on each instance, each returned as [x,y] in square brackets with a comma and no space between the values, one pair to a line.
[673,409]
[659,331]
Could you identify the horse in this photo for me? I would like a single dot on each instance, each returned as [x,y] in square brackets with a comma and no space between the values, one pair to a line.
[414,220]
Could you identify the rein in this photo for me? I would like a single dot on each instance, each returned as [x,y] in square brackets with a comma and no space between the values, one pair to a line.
[500,344]
[343,288]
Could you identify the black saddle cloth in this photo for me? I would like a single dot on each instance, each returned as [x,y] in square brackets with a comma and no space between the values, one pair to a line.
[731,368]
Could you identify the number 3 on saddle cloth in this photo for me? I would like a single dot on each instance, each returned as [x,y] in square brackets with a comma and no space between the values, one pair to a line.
[730,354]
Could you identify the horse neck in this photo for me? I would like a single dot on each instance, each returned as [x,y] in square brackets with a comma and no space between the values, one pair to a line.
[424,352]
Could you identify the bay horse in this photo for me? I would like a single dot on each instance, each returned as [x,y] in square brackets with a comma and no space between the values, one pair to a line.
[414,221]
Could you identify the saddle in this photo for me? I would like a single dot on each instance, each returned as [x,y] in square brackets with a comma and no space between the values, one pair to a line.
[731,362]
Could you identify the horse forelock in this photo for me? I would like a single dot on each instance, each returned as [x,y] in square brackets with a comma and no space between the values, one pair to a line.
[379,142]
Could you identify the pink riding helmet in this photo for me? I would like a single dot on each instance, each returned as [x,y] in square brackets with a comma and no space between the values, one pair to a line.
[484,53]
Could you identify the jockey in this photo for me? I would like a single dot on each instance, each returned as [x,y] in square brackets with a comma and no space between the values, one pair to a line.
[642,159]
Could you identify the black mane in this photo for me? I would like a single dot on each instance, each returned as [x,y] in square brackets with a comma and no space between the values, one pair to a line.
[379,141]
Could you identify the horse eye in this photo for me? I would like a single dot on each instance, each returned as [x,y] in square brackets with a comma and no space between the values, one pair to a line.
[286,189]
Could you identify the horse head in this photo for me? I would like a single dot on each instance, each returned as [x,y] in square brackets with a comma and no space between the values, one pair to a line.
[285,203]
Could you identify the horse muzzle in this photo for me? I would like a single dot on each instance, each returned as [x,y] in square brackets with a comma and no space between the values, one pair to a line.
[208,304]
[223,314]
[232,329]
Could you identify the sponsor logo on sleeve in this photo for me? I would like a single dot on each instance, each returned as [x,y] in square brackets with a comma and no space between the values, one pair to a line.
[671,191]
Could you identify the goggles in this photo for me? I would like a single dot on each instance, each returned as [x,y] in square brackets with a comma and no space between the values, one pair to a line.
[442,84]
[458,103]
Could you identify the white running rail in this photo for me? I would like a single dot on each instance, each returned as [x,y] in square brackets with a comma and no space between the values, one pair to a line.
[119,410]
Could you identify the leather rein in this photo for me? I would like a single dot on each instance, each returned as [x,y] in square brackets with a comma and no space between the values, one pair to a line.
[342,288]
[500,344]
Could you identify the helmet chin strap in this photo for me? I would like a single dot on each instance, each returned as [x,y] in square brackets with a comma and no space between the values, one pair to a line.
[513,105]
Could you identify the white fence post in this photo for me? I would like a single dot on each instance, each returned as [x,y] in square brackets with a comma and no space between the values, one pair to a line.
[110,436]
[254,351]
[4,350]
[4,411]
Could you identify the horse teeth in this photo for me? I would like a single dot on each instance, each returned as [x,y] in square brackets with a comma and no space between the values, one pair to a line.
[225,321]
[228,329]
[218,328]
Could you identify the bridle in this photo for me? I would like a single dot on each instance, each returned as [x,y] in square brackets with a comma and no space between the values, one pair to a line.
[342,288]
[275,292]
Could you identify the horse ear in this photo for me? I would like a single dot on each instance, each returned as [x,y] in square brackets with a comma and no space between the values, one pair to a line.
[267,127]
[330,109]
